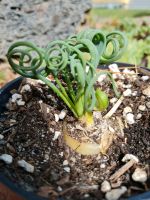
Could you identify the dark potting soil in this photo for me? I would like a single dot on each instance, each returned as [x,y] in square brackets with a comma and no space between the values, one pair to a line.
[30,134]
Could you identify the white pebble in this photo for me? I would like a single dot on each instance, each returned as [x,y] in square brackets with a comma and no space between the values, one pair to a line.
[40,82]
[62,114]
[114,68]
[139,115]
[61,154]
[101,78]
[126,71]
[59,189]
[48,110]
[112,130]
[128,157]
[127,92]
[26,166]
[46,156]
[105,186]
[1,137]
[20,102]
[86,195]
[115,194]
[139,175]
[40,89]
[144,78]
[56,135]
[40,101]
[56,117]
[129,73]
[8,159]
[49,96]
[130,118]
[102,166]
[127,86]
[146,91]
[73,159]
[134,93]
[67,169]
[127,110]
[142,107]
[65,162]
[113,100]
[26,88]
[16,97]
[148,104]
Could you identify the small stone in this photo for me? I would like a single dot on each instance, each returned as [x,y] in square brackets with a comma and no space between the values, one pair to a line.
[46,156]
[62,114]
[16,97]
[112,130]
[127,92]
[67,169]
[115,194]
[148,104]
[127,86]
[56,135]
[102,166]
[8,159]
[65,162]
[40,82]
[40,101]
[59,189]
[20,102]
[26,88]
[130,118]
[105,186]
[146,91]
[139,175]
[86,195]
[49,96]
[128,157]
[47,110]
[61,154]
[144,78]
[139,115]
[134,93]
[26,166]
[13,121]
[1,137]
[40,89]
[101,78]
[114,68]
[113,100]
[142,107]
[127,110]
[56,117]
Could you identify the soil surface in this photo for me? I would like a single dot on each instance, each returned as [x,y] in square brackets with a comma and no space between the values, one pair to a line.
[33,133]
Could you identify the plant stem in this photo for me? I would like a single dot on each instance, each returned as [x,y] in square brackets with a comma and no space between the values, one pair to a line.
[60,94]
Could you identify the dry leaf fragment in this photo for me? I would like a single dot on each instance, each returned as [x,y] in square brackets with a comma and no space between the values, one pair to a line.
[106,141]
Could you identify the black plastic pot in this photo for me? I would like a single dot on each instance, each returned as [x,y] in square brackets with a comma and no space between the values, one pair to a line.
[9,186]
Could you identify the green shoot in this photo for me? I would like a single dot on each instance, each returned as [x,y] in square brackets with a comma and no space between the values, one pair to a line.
[72,63]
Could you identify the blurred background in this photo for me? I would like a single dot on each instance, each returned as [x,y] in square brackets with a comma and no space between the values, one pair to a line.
[41,21]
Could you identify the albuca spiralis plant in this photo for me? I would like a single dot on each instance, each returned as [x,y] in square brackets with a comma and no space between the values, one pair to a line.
[73,64]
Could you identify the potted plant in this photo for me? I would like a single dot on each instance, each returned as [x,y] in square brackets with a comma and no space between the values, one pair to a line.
[64,147]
